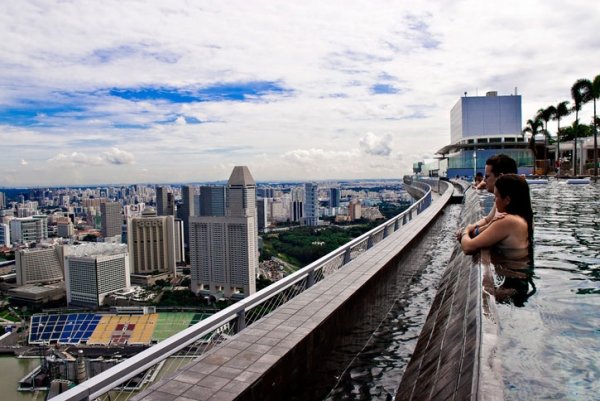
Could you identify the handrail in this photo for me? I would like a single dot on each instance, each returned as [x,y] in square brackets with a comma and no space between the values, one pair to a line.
[118,374]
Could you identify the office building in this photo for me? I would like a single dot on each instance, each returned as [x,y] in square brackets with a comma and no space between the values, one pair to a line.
[187,208]
[111,219]
[151,242]
[262,214]
[212,201]
[311,204]
[480,127]
[29,229]
[223,249]
[161,201]
[297,205]
[65,229]
[179,243]
[2,200]
[354,210]
[334,197]
[4,235]
[94,270]
[171,209]
[39,265]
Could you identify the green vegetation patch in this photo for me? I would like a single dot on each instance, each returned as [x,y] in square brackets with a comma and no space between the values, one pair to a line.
[306,244]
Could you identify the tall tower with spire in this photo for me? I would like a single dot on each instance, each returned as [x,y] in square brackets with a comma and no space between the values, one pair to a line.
[223,249]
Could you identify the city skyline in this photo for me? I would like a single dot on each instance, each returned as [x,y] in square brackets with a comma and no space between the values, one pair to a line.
[181,93]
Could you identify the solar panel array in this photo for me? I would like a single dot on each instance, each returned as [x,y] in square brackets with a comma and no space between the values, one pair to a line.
[73,328]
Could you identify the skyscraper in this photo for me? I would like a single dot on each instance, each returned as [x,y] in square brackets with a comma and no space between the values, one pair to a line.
[212,201]
[311,204]
[334,197]
[94,270]
[112,219]
[2,200]
[187,209]
[297,204]
[161,201]
[151,242]
[223,249]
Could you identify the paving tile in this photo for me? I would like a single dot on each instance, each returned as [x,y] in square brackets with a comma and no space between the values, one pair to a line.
[175,387]
[213,382]
[158,396]
[227,373]
[199,393]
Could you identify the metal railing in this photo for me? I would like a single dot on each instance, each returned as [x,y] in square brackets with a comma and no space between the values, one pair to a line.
[210,332]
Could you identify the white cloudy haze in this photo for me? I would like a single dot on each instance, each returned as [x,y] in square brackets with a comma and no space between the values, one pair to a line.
[181,91]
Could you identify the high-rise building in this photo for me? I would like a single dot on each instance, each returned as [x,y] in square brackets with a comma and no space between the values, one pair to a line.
[223,249]
[212,201]
[39,265]
[170,204]
[94,270]
[334,197]
[4,235]
[65,229]
[151,242]
[297,204]
[2,200]
[262,214]
[112,219]
[480,127]
[179,246]
[161,201]
[29,229]
[311,204]
[354,210]
[187,208]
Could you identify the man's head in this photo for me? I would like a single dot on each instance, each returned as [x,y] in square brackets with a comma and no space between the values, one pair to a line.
[497,165]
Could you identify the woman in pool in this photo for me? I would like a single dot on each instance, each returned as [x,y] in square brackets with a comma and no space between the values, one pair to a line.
[512,228]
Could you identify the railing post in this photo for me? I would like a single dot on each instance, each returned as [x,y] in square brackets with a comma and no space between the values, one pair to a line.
[240,322]
[310,279]
[404,218]
[347,255]
[396,225]
[370,242]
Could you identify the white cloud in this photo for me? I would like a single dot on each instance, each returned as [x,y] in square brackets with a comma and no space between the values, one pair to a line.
[330,55]
[112,156]
[117,156]
[376,145]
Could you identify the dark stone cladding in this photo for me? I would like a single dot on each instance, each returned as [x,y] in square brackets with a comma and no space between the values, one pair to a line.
[276,358]
[445,363]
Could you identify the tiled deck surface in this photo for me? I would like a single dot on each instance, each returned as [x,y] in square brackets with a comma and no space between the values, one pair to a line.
[237,369]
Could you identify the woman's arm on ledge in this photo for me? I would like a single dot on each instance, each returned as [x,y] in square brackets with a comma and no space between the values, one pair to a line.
[493,234]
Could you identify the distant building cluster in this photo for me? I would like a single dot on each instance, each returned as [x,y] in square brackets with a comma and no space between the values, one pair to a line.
[90,244]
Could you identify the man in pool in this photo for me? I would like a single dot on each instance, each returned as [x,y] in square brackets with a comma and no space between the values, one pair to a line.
[495,166]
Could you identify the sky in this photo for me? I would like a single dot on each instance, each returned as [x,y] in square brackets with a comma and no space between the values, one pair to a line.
[181,91]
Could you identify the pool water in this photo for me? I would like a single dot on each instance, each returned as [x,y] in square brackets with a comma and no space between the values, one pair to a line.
[550,346]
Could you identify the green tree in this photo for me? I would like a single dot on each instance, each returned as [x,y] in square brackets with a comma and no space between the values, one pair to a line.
[561,110]
[580,92]
[595,94]
[546,115]
[533,126]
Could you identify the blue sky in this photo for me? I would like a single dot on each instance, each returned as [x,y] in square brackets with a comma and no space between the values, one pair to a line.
[181,92]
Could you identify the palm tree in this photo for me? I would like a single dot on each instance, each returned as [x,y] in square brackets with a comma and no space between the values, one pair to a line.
[545,115]
[561,110]
[595,94]
[580,94]
[533,126]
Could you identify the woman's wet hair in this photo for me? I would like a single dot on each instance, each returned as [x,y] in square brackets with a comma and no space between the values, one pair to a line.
[515,187]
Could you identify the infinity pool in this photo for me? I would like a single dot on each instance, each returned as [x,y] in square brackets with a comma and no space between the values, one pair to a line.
[550,347]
